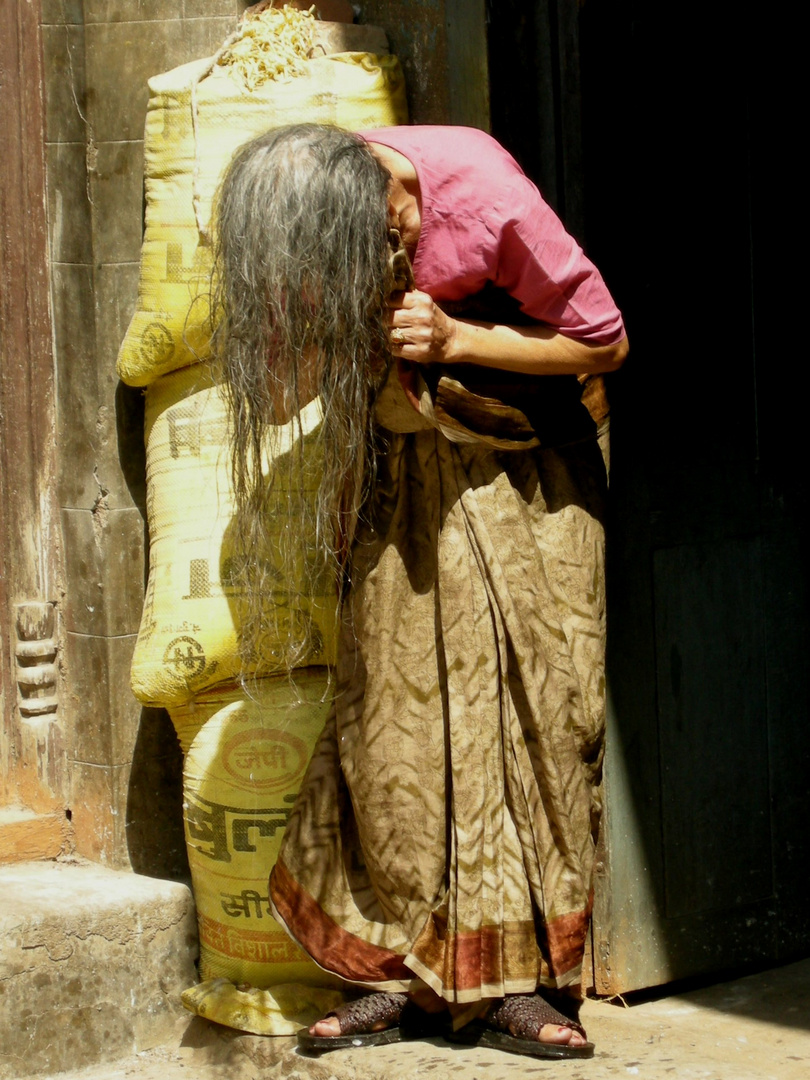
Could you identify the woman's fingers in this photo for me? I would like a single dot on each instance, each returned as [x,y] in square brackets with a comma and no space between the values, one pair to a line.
[420,330]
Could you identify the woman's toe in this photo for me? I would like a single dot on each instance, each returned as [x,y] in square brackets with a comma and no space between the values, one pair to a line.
[564,1036]
[326,1028]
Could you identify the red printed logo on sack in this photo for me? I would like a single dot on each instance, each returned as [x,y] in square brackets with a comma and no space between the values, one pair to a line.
[265,758]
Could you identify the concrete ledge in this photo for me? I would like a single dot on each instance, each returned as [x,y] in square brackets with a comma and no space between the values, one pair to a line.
[92,964]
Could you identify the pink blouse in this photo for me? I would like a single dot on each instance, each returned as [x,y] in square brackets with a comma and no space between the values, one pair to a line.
[484,221]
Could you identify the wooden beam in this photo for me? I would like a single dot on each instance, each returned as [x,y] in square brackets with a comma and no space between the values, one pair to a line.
[31,755]
[25,836]
[467,63]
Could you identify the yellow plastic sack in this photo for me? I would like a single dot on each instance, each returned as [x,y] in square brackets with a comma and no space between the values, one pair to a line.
[242,773]
[189,635]
[189,717]
[170,328]
[280,1010]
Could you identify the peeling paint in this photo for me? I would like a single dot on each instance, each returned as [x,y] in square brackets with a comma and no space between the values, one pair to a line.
[91,153]
[100,509]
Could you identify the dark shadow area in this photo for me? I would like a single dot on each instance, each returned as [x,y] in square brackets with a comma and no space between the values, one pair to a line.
[684,139]
[129,418]
[534,97]
[155,839]
[154,825]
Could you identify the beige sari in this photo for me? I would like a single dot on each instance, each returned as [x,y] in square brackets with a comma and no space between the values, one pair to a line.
[445,829]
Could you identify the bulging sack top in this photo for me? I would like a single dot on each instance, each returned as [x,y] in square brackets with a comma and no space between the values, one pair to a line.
[197,117]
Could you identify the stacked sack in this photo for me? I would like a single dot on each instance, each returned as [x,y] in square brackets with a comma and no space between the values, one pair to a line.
[246,740]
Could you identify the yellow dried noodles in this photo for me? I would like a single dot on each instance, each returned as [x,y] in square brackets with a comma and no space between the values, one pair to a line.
[273,44]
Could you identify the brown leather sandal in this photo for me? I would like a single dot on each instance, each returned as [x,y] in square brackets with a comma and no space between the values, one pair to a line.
[514,1023]
[401,1018]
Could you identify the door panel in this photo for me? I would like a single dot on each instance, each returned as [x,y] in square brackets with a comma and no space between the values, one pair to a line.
[713,745]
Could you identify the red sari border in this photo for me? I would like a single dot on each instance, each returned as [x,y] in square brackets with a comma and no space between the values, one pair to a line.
[566,936]
[332,947]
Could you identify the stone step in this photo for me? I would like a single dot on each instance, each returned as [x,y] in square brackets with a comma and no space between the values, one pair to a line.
[92,965]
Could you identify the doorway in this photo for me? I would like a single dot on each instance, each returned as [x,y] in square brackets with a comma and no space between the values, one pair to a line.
[645,128]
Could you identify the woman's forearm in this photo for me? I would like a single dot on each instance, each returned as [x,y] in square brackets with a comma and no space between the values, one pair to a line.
[529,350]
[424,334]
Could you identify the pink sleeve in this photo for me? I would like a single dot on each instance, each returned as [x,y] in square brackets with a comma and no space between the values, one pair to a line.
[544,268]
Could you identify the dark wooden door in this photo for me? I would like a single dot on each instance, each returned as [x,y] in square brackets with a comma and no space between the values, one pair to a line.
[653,130]
[32,735]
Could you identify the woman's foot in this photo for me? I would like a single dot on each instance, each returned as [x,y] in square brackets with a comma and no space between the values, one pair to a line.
[365,1016]
[530,1016]
[390,1011]
[373,1020]
[527,1024]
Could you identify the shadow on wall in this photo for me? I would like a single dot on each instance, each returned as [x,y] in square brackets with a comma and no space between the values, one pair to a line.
[154,825]
[129,417]
[154,808]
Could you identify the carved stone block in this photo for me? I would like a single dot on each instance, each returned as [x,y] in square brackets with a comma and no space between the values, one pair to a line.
[36,656]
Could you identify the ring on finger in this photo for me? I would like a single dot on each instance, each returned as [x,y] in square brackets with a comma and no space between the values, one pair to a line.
[398,336]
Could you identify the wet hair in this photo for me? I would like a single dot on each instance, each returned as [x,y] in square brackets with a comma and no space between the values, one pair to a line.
[301,277]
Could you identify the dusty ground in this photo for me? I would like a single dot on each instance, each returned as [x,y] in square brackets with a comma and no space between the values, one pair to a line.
[756,1028]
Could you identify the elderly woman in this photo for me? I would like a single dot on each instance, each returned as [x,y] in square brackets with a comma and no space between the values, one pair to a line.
[440,852]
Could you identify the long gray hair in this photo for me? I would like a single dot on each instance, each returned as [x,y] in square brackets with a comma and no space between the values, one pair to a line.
[301,277]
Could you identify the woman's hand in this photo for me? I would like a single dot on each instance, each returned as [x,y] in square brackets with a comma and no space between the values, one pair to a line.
[420,330]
